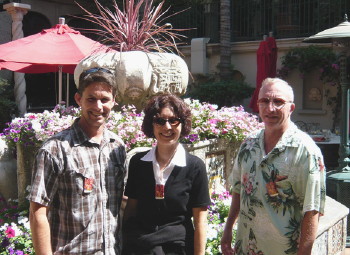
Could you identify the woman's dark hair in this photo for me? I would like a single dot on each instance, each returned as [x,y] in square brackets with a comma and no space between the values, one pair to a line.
[155,105]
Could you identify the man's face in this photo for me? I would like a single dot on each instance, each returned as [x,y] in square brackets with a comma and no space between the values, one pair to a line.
[275,107]
[96,103]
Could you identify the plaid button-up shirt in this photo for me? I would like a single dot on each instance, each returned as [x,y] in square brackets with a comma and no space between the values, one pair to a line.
[82,184]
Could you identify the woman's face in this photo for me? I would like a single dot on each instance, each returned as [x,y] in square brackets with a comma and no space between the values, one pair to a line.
[167,133]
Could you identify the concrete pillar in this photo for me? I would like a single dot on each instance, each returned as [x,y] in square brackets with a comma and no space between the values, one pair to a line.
[17,11]
[199,62]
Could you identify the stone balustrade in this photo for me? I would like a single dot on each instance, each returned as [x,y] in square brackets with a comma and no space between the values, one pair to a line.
[331,234]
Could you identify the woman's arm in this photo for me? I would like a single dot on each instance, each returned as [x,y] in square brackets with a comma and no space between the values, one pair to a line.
[130,209]
[200,228]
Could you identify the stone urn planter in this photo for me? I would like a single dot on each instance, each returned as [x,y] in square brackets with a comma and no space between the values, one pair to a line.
[140,75]
[8,174]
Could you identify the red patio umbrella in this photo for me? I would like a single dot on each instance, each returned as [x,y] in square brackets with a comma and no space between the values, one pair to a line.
[58,49]
[263,63]
[271,42]
[266,67]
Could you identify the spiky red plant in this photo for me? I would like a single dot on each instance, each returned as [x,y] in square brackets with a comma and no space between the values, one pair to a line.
[127,30]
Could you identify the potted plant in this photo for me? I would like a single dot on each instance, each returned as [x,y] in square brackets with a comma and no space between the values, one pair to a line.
[142,54]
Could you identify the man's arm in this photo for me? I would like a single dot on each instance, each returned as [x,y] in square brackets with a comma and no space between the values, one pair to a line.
[200,227]
[226,240]
[40,228]
[308,233]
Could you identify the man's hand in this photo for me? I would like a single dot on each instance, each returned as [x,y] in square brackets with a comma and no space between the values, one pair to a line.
[226,242]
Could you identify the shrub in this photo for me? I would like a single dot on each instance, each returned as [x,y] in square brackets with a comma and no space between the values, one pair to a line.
[222,93]
[7,105]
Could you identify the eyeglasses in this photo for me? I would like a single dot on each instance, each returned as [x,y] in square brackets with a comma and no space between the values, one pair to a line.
[277,103]
[172,121]
[97,69]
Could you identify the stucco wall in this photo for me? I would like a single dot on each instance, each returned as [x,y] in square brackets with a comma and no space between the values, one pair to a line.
[54,9]
[243,58]
[5,36]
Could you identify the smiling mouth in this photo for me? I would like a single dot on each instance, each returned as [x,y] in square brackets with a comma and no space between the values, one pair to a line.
[97,115]
[168,135]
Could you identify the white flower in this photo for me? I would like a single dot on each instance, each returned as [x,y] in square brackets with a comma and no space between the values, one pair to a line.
[36,125]
[24,221]
[18,232]
[4,227]
[212,232]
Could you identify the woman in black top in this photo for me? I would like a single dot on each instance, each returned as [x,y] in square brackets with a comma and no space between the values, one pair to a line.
[166,187]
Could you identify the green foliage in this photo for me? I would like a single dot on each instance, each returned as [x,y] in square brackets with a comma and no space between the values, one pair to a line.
[306,59]
[311,58]
[137,26]
[7,105]
[221,93]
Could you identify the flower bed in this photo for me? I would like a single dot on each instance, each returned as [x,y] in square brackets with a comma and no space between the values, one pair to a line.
[15,235]
[231,123]
[217,215]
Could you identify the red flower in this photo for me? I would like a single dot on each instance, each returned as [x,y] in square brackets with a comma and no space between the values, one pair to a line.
[10,232]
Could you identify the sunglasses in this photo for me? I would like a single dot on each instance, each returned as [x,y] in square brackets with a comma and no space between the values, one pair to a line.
[172,121]
[277,103]
[97,69]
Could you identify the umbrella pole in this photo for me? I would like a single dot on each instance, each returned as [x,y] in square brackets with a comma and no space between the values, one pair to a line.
[59,84]
[67,92]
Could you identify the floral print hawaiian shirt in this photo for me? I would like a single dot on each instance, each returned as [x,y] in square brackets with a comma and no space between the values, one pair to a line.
[276,190]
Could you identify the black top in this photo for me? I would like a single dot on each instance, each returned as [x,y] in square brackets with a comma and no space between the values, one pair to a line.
[167,220]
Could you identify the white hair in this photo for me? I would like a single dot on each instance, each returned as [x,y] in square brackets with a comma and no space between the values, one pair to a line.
[280,82]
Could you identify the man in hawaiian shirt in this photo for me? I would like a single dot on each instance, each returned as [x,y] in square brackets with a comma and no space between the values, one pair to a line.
[78,178]
[278,183]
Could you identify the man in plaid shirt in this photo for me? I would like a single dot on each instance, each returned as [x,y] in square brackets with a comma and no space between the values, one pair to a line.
[78,174]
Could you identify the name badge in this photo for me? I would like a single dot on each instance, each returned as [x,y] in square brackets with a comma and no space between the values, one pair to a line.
[88,185]
[159,191]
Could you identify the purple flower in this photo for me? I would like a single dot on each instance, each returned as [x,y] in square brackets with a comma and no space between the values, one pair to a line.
[11,250]
[5,242]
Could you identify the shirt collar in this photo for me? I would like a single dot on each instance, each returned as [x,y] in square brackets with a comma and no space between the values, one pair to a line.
[80,137]
[179,158]
[288,139]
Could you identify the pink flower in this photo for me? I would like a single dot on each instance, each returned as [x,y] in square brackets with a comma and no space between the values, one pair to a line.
[335,66]
[248,188]
[10,232]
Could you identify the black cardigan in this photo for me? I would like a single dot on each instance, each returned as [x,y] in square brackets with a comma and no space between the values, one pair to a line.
[169,219]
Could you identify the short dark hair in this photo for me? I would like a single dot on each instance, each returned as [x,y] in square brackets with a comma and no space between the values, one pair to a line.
[96,74]
[155,105]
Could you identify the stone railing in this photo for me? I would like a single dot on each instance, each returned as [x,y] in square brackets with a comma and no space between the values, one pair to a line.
[218,155]
[331,234]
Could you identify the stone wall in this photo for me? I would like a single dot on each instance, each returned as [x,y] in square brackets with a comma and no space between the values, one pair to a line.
[8,173]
